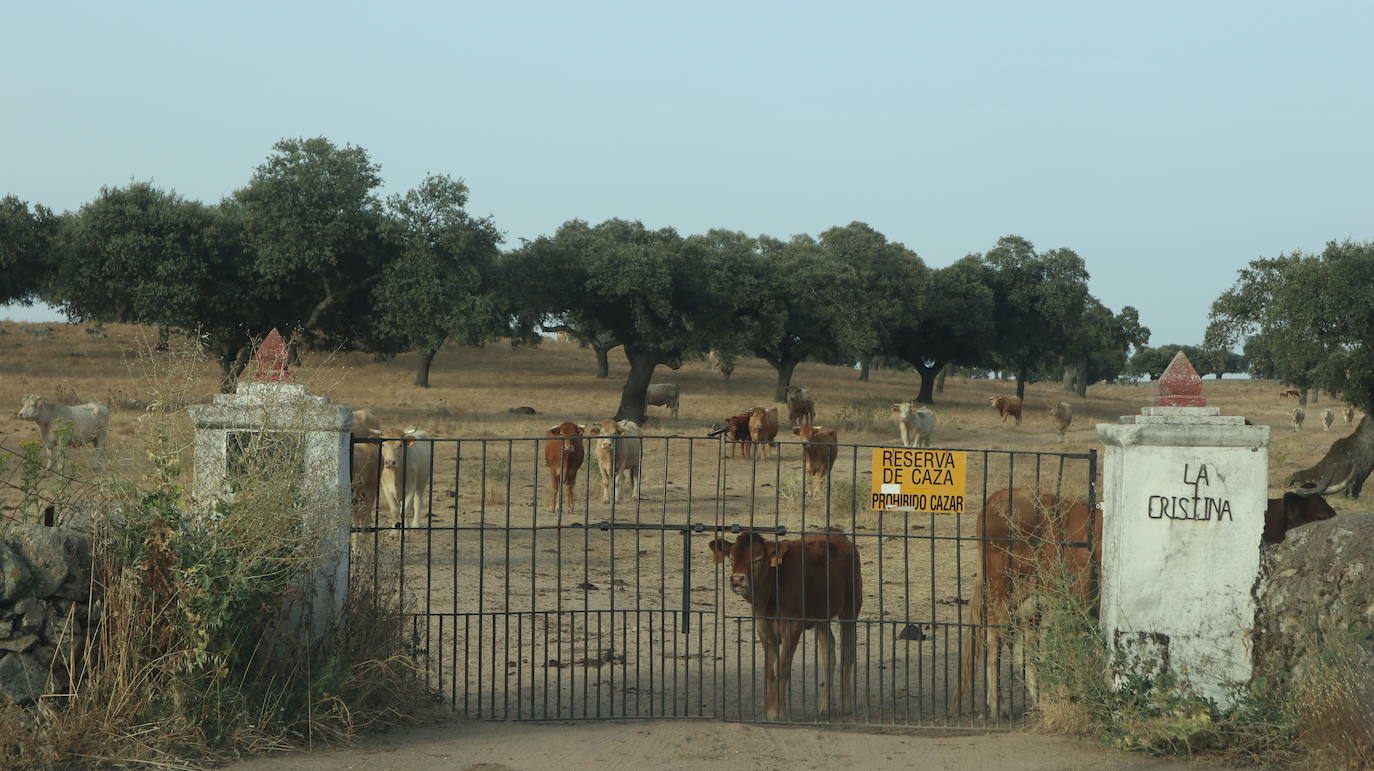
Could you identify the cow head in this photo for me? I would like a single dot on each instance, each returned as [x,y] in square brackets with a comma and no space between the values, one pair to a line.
[29,409]
[901,410]
[394,452]
[751,558]
[739,424]
[998,401]
[569,432]
[1291,511]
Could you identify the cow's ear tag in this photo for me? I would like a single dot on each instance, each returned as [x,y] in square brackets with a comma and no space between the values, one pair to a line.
[773,561]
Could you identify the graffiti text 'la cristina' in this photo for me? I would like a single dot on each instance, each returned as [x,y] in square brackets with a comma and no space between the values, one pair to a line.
[1195,507]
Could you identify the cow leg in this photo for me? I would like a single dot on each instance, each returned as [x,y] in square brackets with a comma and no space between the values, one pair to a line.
[769,641]
[607,479]
[825,640]
[849,641]
[905,441]
[554,491]
[792,632]
[992,652]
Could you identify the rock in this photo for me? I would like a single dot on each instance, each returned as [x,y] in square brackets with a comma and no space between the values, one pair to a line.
[15,576]
[22,679]
[47,552]
[521,411]
[19,644]
[33,612]
[1316,591]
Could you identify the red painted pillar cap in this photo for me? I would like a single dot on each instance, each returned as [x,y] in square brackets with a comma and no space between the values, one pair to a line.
[1181,385]
[272,359]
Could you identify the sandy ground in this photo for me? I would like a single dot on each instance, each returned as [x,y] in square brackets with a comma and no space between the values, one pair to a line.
[703,745]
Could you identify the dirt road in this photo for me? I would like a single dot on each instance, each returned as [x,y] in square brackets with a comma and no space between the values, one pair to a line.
[682,744]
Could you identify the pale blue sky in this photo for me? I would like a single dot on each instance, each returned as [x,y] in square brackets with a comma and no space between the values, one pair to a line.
[1168,143]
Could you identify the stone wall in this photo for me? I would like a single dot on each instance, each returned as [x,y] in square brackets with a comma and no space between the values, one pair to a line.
[45,586]
[1316,592]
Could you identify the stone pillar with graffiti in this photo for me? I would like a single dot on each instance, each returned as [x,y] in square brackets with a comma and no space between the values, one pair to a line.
[1184,496]
[273,432]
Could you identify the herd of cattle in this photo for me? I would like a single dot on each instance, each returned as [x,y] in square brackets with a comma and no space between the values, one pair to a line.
[790,585]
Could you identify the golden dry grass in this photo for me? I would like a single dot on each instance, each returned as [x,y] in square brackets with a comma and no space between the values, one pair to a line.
[472,389]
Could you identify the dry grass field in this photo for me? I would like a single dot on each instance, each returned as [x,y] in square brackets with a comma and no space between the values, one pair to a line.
[603,610]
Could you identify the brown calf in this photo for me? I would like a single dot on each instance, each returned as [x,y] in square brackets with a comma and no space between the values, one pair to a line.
[793,586]
[1008,406]
[366,467]
[738,433]
[1293,392]
[818,454]
[1023,539]
[563,454]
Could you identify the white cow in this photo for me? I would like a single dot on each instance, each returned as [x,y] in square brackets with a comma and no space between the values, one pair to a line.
[917,426]
[619,449]
[663,395]
[1328,417]
[80,424]
[412,451]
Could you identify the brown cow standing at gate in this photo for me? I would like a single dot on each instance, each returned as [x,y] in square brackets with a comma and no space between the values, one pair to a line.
[1021,541]
[1023,538]
[563,454]
[793,586]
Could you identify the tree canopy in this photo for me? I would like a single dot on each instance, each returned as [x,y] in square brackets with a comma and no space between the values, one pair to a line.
[1039,299]
[645,287]
[26,236]
[442,282]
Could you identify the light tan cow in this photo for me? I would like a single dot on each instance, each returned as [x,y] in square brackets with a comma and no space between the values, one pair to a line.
[411,453]
[1062,413]
[76,424]
[1299,415]
[619,449]
[818,454]
[763,428]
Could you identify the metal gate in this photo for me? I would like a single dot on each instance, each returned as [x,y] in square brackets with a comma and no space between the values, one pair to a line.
[616,608]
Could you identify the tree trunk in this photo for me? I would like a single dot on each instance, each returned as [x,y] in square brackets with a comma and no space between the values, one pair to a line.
[940,379]
[1315,393]
[864,364]
[162,338]
[1080,386]
[1302,397]
[231,364]
[785,368]
[1344,468]
[422,372]
[926,394]
[643,361]
[603,361]
[1070,376]
[1021,377]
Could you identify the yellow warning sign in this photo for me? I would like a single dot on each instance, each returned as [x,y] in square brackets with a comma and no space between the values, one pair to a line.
[919,480]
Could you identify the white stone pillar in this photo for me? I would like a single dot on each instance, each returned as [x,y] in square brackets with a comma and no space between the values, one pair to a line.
[314,436]
[1184,495]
